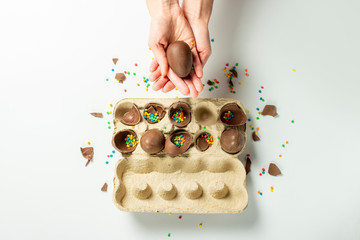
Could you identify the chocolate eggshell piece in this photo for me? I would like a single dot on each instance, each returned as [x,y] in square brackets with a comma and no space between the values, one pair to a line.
[132,117]
[232,141]
[152,141]
[119,142]
[180,58]
[273,170]
[239,117]
[186,110]
[255,137]
[171,149]
[269,110]
[202,144]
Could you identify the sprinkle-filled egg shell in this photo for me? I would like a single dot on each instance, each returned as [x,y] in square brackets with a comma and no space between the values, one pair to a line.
[180,58]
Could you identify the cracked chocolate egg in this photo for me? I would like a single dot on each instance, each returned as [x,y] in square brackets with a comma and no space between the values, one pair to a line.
[125,141]
[177,143]
[232,140]
[153,113]
[131,117]
[180,58]
[204,141]
[232,115]
[152,141]
[180,114]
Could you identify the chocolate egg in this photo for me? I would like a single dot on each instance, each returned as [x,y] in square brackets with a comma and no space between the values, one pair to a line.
[132,117]
[180,114]
[232,140]
[154,112]
[232,115]
[180,58]
[204,141]
[152,141]
[125,141]
[177,143]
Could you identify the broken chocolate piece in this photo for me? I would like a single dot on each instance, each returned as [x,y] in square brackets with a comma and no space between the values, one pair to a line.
[247,165]
[273,170]
[255,137]
[98,115]
[120,77]
[234,72]
[132,117]
[88,153]
[104,187]
[115,60]
[231,83]
[210,82]
[269,110]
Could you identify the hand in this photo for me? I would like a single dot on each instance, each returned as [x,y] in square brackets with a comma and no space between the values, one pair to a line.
[165,29]
[198,15]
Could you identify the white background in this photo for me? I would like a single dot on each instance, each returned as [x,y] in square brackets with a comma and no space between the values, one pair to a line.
[56,55]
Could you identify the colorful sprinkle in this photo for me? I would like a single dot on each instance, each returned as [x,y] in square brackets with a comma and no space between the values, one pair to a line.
[228,115]
[271,188]
[209,138]
[169,234]
[88,143]
[152,117]
[200,225]
[178,115]
[131,141]
[179,140]
[180,217]
[212,40]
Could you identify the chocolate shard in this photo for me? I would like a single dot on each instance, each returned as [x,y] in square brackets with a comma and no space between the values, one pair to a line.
[202,144]
[96,114]
[88,153]
[247,165]
[234,72]
[153,108]
[255,137]
[231,83]
[210,82]
[115,60]
[104,187]
[120,77]
[132,117]
[269,110]
[274,170]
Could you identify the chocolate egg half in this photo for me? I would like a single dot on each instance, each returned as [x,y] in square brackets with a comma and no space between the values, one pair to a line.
[177,143]
[204,141]
[153,113]
[132,117]
[180,114]
[152,141]
[232,115]
[180,58]
[232,140]
[125,141]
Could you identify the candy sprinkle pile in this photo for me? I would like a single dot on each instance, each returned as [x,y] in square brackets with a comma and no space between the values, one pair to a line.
[131,141]
[209,139]
[179,140]
[228,115]
[152,117]
[178,115]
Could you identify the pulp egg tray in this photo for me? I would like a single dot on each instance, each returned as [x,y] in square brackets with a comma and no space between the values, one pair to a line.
[195,181]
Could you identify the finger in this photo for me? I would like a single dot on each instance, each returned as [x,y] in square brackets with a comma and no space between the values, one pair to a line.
[160,83]
[168,87]
[153,65]
[197,82]
[204,56]
[160,57]
[197,63]
[178,82]
[193,92]
[155,75]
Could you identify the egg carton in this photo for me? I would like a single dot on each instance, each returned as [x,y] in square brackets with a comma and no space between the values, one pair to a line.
[210,181]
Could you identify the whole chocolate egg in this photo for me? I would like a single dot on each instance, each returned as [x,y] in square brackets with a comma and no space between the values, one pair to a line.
[152,141]
[232,141]
[177,143]
[180,58]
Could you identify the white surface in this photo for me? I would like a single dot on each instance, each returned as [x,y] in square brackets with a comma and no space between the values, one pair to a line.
[55,57]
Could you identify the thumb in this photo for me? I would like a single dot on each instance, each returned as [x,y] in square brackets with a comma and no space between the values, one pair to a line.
[160,57]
